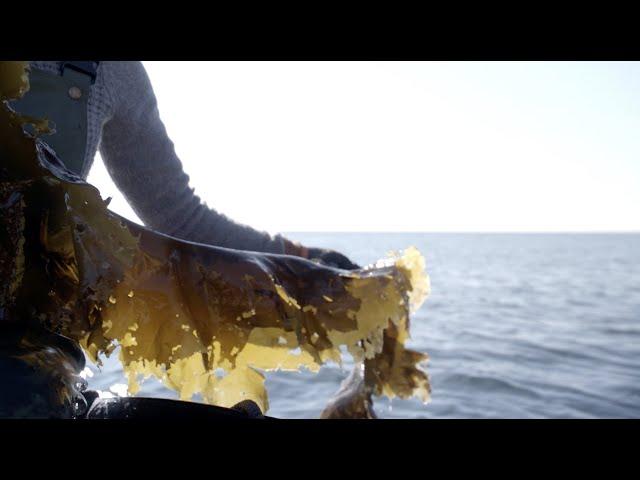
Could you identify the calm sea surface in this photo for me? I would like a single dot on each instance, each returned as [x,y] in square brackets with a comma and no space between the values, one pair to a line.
[517,326]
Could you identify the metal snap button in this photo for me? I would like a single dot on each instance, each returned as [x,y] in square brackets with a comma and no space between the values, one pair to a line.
[75,93]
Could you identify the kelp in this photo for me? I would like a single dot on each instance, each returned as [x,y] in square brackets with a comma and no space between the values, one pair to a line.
[202,319]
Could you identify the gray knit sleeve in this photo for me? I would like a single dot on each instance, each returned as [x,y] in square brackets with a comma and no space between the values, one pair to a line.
[142,162]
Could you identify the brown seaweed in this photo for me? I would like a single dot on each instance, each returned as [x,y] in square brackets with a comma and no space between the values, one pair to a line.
[202,319]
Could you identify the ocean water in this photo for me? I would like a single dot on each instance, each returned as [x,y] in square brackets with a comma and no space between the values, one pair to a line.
[517,326]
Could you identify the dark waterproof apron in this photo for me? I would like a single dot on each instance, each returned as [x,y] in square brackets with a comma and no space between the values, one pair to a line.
[62,99]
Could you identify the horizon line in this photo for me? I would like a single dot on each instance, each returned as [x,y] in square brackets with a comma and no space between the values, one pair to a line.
[492,232]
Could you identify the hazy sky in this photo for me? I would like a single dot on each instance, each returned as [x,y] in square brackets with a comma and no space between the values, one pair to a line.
[406,146]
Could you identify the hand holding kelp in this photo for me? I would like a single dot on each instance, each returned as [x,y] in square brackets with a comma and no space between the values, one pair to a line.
[203,319]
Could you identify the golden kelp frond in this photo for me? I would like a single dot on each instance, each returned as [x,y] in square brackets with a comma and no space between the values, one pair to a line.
[183,311]
[352,400]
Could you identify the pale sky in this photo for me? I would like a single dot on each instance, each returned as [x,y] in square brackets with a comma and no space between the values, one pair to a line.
[406,146]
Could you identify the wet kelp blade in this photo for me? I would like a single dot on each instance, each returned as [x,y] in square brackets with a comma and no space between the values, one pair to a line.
[203,319]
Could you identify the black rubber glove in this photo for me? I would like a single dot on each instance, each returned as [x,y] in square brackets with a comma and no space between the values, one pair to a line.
[331,258]
[325,256]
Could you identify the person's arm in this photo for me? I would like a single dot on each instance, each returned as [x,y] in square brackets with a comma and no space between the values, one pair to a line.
[143,164]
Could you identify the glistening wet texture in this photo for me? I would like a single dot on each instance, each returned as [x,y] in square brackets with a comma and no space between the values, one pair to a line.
[183,311]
